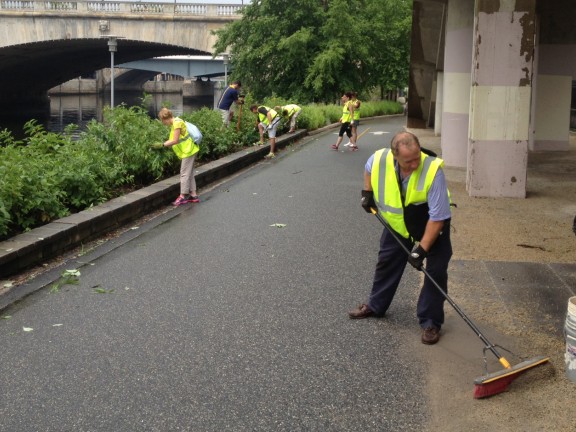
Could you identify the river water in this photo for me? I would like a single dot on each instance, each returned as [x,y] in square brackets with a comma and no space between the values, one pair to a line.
[80,109]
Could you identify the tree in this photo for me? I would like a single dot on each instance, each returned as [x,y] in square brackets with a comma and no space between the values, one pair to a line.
[310,50]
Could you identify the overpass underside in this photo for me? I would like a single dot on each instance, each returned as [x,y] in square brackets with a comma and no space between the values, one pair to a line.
[44,44]
[31,69]
[495,80]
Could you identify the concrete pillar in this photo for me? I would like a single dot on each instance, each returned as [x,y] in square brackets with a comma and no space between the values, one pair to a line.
[457,75]
[500,98]
[439,103]
[552,95]
[427,43]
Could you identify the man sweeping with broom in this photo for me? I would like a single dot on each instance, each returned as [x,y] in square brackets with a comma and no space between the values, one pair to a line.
[404,186]
[408,188]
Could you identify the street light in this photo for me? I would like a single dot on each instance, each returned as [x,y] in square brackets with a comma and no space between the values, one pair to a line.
[225,58]
[112,47]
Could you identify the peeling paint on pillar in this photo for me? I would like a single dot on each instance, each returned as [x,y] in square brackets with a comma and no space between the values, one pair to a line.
[500,98]
[527,81]
[489,6]
[528,34]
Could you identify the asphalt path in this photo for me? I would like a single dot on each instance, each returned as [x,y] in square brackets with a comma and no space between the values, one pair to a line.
[213,319]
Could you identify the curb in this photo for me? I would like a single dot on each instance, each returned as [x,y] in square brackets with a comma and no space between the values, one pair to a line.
[55,238]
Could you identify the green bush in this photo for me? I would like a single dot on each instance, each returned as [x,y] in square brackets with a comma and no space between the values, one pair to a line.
[47,175]
[29,189]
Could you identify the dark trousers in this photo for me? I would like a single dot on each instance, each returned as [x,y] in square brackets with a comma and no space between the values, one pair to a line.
[392,261]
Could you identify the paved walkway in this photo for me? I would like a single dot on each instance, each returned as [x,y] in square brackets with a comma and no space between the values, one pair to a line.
[505,297]
[546,287]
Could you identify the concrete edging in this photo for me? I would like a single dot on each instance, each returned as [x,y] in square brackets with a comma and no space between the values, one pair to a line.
[48,241]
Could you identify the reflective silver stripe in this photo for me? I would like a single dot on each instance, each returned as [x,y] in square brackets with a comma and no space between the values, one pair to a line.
[382,179]
[425,168]
[382,185]
[389,209]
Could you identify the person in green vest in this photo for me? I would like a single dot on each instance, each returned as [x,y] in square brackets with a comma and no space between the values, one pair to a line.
[406,185]
[186,149]
[267,120]
[355,102]
[345,120]
[291,113]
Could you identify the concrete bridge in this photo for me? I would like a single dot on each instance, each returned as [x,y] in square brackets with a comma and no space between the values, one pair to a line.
[46,43]
[140,76]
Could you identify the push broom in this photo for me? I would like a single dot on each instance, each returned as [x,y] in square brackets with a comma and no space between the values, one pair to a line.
[489,384]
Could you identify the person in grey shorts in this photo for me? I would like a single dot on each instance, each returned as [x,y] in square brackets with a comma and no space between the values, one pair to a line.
[229,96]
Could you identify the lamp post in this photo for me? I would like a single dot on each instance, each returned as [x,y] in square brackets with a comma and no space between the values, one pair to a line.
[112,47]
[225,58]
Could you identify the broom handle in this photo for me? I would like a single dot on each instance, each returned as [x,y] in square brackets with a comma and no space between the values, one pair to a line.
[468,321]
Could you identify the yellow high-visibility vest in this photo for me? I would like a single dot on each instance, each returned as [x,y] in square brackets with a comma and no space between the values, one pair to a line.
[386,188]
[292,109]
[345,113]
[263,118]
[186,146]
[356,109]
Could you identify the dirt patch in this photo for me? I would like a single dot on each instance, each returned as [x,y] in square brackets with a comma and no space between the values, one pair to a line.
[536,229]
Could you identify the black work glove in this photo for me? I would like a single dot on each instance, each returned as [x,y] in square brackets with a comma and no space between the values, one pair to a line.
[368,200]
[417,256]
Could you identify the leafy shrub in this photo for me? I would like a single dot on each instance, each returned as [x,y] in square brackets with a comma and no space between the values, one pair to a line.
[29,190]
[47,175]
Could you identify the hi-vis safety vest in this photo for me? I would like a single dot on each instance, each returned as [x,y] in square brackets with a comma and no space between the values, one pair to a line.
[386,188]
[186,146]
[263,118]
[356,109]
[292,109]
[346,113]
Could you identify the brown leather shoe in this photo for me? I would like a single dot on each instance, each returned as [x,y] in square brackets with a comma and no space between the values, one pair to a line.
[362,311]
[430,335]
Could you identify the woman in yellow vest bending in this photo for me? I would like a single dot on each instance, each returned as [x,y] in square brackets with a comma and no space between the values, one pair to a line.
[186,150]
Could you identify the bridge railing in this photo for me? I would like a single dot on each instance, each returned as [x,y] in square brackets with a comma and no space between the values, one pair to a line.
[123,7]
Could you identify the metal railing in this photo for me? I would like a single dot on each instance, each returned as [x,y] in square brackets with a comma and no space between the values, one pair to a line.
[123,7]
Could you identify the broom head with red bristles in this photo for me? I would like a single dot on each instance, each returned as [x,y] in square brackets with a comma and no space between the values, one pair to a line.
[498,382]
